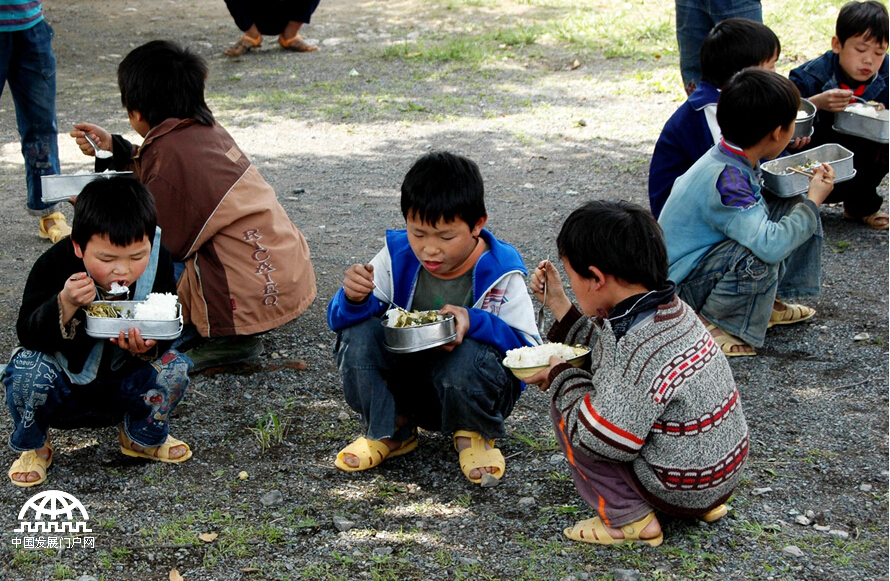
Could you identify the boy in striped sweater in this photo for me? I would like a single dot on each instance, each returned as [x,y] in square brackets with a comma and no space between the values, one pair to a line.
[656,420]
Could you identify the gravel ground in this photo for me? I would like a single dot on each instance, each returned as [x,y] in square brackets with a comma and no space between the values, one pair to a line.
[335,144]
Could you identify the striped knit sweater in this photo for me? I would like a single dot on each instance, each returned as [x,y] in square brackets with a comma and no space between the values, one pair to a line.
[662,398]
[19,14]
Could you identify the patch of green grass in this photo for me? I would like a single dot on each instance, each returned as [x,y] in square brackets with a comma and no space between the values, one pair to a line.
[464,500]
[519,36]
[61,571]
[537,443]
[270,431]
[558,476]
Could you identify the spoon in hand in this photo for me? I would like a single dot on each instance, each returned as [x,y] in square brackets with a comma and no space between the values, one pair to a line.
[100,153]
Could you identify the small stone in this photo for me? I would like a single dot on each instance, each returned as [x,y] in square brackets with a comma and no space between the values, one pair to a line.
[382,551]
[865,487]
[528,186]
[810,514]
[625,575]
[343,524]
[331,41]
[582,575]
[802,520]
[569,578]
[272,498]
[298,191]
[761,491]
[130,10]
[343,416]
[354,73]
[527,501]
[582,122]
[839,534]
[862,337]
[556,459]
[204,44]
[571,193]
[467,561]
[794,399]
[489,481]
[413,35]
[793,551]
[243,475]
[276,356]
[822,528]
[86,578]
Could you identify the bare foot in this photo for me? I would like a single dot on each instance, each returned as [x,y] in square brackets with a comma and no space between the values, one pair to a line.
[175,451]
[651,530]
[44,453]
[464,443]
[739,346]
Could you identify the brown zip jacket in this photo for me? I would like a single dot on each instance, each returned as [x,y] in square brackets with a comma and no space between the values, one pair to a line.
[247,266]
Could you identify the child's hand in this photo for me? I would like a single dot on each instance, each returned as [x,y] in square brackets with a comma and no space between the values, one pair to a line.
[358,282]
[135,344]
[556,299]
[834,100]
[79,290]
[99,136]
[821,183]
[461,324]
[800,142]
[542,378]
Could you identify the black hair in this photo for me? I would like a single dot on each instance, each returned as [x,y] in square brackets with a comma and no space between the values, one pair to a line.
[868,19]
[736,44]
[120,208]
[161,79]
[619,238]
[753,104]
[444,186]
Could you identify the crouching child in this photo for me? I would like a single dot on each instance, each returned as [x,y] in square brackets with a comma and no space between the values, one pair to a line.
[655,421]
[60,377]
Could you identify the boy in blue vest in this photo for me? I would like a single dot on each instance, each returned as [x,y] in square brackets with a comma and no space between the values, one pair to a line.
[734,250]
[60,377]
[856,68]
[445,261]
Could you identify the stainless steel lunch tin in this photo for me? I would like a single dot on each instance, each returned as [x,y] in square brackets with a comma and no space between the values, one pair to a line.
[803,127]
[411,339]
[107,328]
[784,183]
[873,129]
[59,188]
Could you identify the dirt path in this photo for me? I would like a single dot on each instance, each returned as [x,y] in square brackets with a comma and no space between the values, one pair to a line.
[334,133]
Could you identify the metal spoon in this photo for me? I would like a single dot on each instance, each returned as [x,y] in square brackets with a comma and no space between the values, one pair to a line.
[100,153]
[539,319]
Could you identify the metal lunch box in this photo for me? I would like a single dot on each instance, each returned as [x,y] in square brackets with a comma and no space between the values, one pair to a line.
[58,188]
[419,338]
[784,183]
[803,127]
[108,328]
[871,128]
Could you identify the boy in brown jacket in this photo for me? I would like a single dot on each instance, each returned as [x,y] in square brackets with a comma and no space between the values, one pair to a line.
[243,267]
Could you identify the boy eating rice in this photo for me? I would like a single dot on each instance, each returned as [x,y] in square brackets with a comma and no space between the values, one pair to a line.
[62,378]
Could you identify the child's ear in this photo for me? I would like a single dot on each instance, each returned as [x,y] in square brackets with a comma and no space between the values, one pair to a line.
[78,251]
[836,44]
[477,229]
[775,133]
[597,275]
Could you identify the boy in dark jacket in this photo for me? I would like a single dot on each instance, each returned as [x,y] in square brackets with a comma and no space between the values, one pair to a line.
[443,261]
[855,69]
[61,377]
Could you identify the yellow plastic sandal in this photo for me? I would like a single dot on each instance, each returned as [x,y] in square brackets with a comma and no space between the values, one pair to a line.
[791,315]
[58,230]
[476,456]
[593,531]
[158,453]
[715,514]
[371,453]
[29,462]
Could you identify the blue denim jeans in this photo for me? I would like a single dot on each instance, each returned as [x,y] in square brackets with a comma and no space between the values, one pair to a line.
[466,389]
[40,396]
[735,290]
[695,19]
[28,64]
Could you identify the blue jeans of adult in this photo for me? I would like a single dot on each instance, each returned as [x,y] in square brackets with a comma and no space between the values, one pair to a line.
[142,396]
[734,290]
[28,64]
[465,389]
[695,19]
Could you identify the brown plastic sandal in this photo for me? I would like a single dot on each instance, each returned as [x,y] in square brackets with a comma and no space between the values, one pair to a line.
[880,220]
[244,45]
[296,44]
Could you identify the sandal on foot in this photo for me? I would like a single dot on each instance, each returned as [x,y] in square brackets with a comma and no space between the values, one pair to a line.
[57,231]
[476,456]
[715,514]
[371,453]
[593,531]
[726,342]
[880,220]
[244,45]
[792,314]
[296,44]
[160,453]
[30,462]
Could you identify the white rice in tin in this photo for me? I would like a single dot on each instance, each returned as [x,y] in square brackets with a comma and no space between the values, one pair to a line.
[157,307]
[537,356]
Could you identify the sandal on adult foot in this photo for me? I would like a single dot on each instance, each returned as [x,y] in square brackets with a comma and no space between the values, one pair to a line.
[29,462]
[791,315]
[371,453]
[715,514]
[476,456]
[593,530]
[880,220]
[57,231]
[244,45]
[726,342]
[159,453]
[296,44]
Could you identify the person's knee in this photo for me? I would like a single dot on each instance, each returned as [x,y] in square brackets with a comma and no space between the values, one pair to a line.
[173,374]
[360,345]
[755,276]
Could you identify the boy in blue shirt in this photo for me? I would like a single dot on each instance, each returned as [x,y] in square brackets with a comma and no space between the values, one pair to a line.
[732,45]
[443,261]
[734,250]
[855,68]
